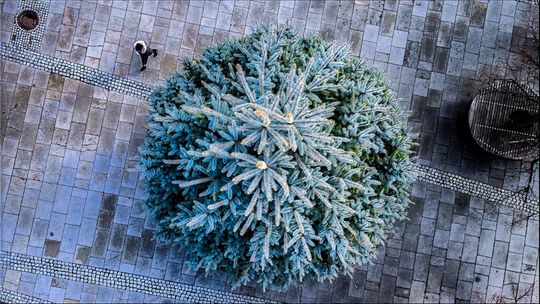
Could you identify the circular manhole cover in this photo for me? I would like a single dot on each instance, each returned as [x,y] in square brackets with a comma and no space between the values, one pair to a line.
[28,20]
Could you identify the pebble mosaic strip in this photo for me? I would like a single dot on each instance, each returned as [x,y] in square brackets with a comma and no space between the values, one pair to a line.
[137,89]
[479,189]
[10,296]
[120,280]
[75,71]
[29,39]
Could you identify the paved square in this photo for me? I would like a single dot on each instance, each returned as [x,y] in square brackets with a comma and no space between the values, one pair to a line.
[73,106]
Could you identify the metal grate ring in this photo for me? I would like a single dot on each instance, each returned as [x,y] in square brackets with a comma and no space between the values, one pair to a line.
[503,119]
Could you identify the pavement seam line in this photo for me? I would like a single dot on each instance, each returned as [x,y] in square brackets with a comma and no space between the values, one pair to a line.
[10,296]
[140,90]
[76,71]
[119,279]
[479,189]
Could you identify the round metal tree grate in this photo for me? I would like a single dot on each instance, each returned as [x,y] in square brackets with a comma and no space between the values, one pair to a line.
[28,20]
[503,120]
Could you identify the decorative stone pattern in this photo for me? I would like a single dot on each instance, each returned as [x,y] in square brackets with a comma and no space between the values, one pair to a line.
[136,89]
[516,200]
[10,296]
[75,71]
[118,279]
[30,40]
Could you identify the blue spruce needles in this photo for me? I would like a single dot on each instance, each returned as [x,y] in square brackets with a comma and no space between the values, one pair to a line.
[276,158]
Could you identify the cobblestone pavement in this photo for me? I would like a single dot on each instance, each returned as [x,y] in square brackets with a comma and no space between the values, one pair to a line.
[70,191]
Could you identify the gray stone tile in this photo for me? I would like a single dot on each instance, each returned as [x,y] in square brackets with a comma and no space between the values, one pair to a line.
[480,284]
[94,121]
[470,249]
[514,262]
[474,39]
[105,220]
[397,55]
[67,176]
[69,239]
[417,292]
[420,9]
[119,151]
[39,233]
[455,250]
[368,49]
[51,248]
[112,184]
[160,257]
[56,226]
[421,267]
[450,275]
[530,255]
[83,255]
[24,223]
[449,11]
[121,216]
[478,14]
[421,87]
[457,232]
[487,239]
[99,246]
[117,237]
[88,297]
[440,239]
[371,33]
[531,238]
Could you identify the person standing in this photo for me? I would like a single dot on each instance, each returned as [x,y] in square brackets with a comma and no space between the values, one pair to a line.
[144,51]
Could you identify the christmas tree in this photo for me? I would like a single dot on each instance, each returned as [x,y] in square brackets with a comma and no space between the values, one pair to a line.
[275,158]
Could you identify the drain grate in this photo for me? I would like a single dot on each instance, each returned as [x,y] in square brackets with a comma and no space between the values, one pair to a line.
[28,20]
[29,25]
[503,119]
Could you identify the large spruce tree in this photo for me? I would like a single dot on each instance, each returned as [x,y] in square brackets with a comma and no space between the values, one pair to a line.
[275,158]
